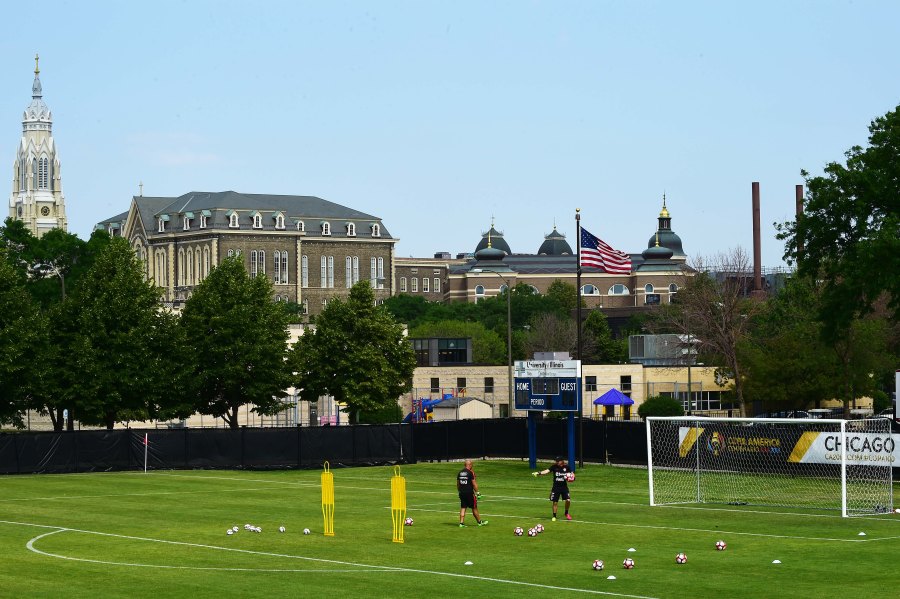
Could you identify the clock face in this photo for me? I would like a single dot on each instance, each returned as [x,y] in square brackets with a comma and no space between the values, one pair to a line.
[45,211]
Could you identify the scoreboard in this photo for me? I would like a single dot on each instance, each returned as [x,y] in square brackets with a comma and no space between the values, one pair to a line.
[546,385]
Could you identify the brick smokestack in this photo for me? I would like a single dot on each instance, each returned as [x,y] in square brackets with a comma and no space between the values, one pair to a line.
[757,243]
[798,194]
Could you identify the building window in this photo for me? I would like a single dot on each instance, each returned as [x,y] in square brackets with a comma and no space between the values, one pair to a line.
[252,263]
[403,284]
[324,303]
[180,265]
[305,306]
[590,290]
[276,262]
[284,267]
[187,223]
[460,385]
[351,230]
[488,384]
[42,178]
[257,221]
[452,351]
[355,270]
[590,383]
[414,285]
[304,271]
[230,253]
[380,273]
[534,290]
[233,220]
[205,262]
[330,272]
[673,288]
[279,221]
[437,285]
[435,385]
[348,270]
[190,267]
[648,288]
[300,226]
[203,218]
[326,228]
[373,272]
[479,290]
[323,271]
[420,349]
[425,284]
[162,225]
[376,230]
[618,289]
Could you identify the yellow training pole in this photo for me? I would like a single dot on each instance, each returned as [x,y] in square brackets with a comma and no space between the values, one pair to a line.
[398,504]
[328,500]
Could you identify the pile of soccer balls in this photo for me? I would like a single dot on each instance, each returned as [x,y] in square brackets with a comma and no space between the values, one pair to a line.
[680,558]
[532,532]
[252,528]
[408,522]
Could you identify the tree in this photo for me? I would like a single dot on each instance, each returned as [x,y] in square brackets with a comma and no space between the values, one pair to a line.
[22,332]
[487,346]
[237,338]
[116,346]
[714,312]
[550,332]
[605,349]
[357,354]
[660,406]
[848,233]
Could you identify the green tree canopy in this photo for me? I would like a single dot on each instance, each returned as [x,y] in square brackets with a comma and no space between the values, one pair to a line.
[357,354]
[848,233]
[237,339]
[487,346]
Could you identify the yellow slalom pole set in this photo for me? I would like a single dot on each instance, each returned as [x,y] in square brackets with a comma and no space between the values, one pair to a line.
[328,500]
[398,504]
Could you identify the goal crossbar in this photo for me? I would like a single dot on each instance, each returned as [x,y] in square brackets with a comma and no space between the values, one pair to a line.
[797,462]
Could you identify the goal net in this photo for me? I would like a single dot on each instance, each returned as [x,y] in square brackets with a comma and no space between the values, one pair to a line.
[803,463]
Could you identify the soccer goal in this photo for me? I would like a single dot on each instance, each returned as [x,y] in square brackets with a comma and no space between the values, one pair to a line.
[802,463]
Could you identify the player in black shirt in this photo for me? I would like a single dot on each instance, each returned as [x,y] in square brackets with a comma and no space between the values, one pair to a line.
[560,489]
[468,494]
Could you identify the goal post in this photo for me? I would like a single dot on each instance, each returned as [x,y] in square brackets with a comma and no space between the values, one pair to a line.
[808,463]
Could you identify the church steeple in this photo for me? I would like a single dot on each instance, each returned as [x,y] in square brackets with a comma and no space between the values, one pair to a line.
[37,197]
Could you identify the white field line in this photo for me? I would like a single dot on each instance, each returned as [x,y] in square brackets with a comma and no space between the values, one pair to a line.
[372,568]
[147,494]
[678,528]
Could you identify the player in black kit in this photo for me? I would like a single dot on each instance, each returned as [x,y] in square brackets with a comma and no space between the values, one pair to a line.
[468,494]
[560,489]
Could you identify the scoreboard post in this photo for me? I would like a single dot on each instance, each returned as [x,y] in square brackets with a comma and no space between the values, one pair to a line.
[544,386]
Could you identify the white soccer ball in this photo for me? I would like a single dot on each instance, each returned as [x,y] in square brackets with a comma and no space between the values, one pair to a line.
[281,529]
[518,531]
[248,527]
[408,522]
[235,529]
[532,532]
[628,564]
[306,531]
[257,529]
[720,545]
[229,532]
[598,564]
[570,477]
[681,558]
[539,528]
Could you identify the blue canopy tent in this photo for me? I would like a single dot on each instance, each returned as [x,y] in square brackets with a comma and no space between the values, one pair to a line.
[613,397]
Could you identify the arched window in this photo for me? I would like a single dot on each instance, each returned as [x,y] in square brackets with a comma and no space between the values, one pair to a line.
[414,285]
[205,262]
[257,221]
[230,253]
[42,173]
[180,267]
[403,284]
[534,290]
[348,267]
[479,290]
[233,220]
[590,290]
[673,288]
[618,289]
[189,278]
[305,305]
[34,173]
[380,273]
[187,223]
[351,230]
[376,230]
[300,226]
[503,287]
[355,270]
[648,288]
[261,261]
[252,263]
[326,228]
[276,262]
[279,221]
[304,271]
[284,268]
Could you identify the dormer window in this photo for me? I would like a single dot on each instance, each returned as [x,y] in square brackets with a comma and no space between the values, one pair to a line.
[351,230]
[162,222]
[300,226]
[232,219]
[376,230]
[326,228]
[187,223]
[257,220]
[279,221]
[203,218]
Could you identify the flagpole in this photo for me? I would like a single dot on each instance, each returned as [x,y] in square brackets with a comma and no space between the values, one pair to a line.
[578,336]
[146,444]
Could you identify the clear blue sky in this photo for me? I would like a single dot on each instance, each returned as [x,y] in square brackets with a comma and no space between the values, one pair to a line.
[437,115]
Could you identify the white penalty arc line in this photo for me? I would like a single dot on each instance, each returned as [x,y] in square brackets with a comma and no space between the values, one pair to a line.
[371,568]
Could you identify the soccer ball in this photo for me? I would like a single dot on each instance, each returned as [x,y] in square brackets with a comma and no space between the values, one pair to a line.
[720,545]
[306,531]
[257,529]
[681,558]
[598,564]
[628,564]
[539,528]
[532,532]
[229,532]
[281,529]
[235,529]
[518,531]
[248,527]
[570,477]
[408,522]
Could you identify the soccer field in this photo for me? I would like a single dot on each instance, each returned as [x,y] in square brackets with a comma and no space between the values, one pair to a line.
[164,534]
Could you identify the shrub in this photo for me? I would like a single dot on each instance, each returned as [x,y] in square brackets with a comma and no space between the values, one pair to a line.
[660,406]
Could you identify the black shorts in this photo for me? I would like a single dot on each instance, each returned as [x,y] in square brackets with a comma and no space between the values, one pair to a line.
[467,500]
[557,494]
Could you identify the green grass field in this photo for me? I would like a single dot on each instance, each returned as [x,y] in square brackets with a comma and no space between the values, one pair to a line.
[163,534]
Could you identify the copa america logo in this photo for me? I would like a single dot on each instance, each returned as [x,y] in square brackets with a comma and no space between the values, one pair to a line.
[716,443]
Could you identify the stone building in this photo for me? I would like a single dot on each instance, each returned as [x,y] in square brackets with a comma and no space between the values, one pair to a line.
[311,249]
[37,198]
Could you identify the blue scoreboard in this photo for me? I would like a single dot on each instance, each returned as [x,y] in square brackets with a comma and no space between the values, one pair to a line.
[545,385]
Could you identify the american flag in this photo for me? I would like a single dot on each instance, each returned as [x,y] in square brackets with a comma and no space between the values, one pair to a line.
[597,254]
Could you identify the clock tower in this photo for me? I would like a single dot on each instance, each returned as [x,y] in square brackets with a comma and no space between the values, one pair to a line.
[37,198]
